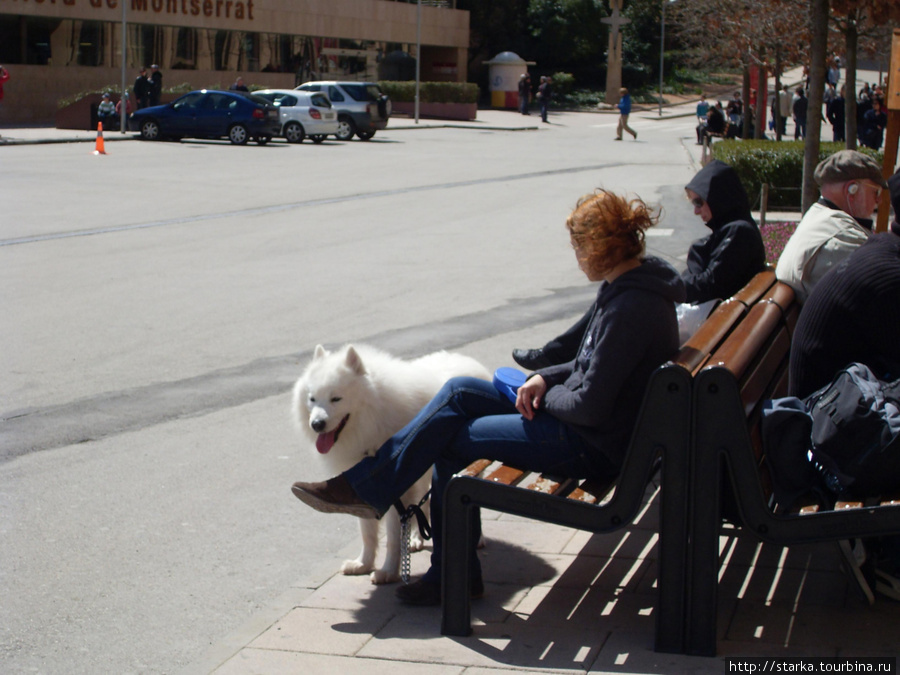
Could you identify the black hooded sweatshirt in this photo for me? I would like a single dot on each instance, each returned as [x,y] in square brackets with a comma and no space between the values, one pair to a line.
[721,264]
[632,330]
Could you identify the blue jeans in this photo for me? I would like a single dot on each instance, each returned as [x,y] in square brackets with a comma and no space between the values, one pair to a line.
[468,420]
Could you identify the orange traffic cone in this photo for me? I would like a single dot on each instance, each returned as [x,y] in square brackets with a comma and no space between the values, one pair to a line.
[98,148]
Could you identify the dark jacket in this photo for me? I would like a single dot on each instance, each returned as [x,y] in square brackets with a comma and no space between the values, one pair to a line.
[715,120]
[852,314]
[721,264]
[633,330]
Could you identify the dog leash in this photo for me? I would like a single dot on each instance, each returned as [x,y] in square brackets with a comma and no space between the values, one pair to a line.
[406,514]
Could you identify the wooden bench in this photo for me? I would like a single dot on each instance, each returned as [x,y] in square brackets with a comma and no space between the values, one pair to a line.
[661,431]
[659,441]
[749,367]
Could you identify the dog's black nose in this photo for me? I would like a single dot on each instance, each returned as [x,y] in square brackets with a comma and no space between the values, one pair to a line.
[318,426]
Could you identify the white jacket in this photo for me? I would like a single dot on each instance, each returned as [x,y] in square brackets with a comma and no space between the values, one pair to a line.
[824,237]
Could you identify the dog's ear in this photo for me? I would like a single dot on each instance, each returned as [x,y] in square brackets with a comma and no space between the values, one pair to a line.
[320,352]
[354,362]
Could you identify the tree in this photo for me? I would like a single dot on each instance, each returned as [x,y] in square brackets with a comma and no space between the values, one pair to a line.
[860,21]
[565,35]
[818,52]
[768,35]
[496,26]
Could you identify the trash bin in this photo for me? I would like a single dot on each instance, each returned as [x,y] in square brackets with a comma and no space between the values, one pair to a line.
[505,70]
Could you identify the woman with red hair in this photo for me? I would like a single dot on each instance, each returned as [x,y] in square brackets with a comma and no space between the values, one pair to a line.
[573,419]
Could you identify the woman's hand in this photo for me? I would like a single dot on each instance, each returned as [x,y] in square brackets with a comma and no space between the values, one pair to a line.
[530,396]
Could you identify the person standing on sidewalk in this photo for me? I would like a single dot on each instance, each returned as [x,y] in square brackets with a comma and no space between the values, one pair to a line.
[799,108]
[545,93]
[524,93]
[142,87]
[624,111]
[155,85]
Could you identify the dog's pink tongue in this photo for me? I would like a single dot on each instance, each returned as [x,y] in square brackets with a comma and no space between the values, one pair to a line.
[325,442]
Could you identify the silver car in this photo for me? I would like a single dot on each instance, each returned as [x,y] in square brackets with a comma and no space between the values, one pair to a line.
[362,107]
[303,114]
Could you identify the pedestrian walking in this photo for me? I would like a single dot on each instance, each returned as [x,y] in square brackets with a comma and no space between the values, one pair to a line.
[624,111]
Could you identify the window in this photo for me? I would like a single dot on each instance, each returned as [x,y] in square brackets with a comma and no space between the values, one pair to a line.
[189,101]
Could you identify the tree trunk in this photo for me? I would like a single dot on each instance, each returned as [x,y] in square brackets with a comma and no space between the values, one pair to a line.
[817,54]
[777,101]
[745,96]
[851,40]
[761,91]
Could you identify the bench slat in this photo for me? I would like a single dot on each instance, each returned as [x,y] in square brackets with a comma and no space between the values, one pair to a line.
[695,352]
[475,468]
[756,287]
[507,475]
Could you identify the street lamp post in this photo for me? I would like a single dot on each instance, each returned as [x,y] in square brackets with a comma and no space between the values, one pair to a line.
[662,51]
[418,53]
[123,115]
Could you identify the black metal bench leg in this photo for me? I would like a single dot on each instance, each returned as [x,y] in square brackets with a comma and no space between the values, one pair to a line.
[674,413]
[459,547]
[706,517]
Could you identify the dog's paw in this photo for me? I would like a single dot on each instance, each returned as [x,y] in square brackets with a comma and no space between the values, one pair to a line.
[416,543]
[355,567]
[384,577]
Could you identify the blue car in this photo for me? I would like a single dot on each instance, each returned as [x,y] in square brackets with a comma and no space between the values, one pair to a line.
[210,114]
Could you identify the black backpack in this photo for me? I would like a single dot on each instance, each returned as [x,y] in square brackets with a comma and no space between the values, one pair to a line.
[855,435]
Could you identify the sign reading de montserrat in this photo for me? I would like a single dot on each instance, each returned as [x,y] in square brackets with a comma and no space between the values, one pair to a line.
[219,9]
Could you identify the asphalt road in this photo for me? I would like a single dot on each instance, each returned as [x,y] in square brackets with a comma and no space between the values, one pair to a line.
[159,301]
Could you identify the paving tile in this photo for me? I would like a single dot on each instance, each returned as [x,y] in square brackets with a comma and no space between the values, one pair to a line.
[516,643]
[626,543]
[271,662]
[323,631]
[861,630]
[600,609]
[530,535]
[627,651]
[358,592]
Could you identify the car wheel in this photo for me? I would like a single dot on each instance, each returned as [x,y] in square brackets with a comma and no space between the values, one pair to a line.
[150,130]
[262,140]
[346,128]
[365,135]
[317,138]
[238,134]
[294,133]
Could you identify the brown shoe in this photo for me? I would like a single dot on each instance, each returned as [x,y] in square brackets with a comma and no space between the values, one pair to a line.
[334,496]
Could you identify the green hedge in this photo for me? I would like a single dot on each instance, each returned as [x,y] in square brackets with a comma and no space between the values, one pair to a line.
[431,92]
[778,164]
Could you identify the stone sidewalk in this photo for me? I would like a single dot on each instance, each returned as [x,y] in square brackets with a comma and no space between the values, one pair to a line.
[561,600]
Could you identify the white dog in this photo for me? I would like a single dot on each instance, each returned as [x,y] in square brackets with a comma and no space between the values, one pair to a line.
[349,402]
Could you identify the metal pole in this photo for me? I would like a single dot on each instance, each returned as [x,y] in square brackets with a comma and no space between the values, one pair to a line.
[662,49]
[418,52]
[123,115]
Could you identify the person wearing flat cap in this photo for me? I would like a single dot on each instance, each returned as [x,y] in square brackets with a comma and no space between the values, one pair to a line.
[853,315]
[840,222]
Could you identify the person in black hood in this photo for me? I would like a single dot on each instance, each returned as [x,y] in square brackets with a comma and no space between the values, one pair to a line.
[717,266]
[721,264]
[573,419]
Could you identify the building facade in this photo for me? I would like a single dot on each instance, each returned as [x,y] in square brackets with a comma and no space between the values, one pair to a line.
[57,49]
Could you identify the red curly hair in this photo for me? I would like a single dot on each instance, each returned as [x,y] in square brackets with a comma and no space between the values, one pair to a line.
[608,229]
